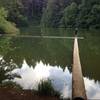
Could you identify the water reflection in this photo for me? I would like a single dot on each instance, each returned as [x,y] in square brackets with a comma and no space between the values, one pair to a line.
[61,80]
[34,50]
[56,52]
[92,88]
[31,77]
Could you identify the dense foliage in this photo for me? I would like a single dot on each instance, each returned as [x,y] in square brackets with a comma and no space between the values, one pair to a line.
[5,70]
[69,16]
[50,13]
[72,13]
[5,25]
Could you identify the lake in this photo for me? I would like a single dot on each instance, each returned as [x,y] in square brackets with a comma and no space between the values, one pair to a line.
[16,50]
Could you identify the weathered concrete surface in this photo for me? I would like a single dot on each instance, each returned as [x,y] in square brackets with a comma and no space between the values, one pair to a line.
[78,88]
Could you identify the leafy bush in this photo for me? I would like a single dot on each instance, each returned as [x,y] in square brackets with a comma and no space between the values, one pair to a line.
[6,26]
[5,71]
[46,88]
[10,84]
[3,75]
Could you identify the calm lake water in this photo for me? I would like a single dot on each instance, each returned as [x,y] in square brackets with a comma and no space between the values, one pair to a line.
[55,52]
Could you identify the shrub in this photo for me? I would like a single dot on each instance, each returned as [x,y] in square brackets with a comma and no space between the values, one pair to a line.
[46,88]
[6,26]
[10,84]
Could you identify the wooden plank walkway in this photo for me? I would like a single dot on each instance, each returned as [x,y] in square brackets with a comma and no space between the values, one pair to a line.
[78,87]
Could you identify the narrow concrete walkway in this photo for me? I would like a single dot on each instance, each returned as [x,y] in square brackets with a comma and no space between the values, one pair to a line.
[78,88]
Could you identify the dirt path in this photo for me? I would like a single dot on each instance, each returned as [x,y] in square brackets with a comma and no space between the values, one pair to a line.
[12,94]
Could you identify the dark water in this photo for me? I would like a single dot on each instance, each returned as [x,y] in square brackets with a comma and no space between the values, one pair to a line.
[53,51]
[90,54]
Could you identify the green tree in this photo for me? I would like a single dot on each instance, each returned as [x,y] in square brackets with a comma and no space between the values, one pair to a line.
[70,15]
[16,11]
[87,16]
[95,16]
[52,13]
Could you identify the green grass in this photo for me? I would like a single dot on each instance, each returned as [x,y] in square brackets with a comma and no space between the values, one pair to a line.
[46,88]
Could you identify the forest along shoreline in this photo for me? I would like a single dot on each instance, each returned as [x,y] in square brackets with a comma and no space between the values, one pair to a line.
[15,14]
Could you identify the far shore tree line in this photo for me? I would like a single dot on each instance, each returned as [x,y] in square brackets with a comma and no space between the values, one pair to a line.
[49,13]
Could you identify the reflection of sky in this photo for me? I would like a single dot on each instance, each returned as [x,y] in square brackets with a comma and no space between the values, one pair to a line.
[92,88]
[61,80]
